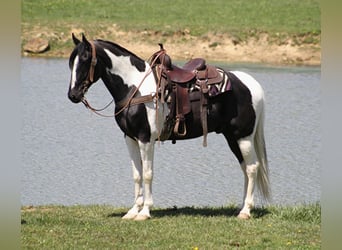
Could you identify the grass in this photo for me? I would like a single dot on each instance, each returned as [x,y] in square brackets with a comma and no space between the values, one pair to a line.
[101,227]
[199,16]
[280,19]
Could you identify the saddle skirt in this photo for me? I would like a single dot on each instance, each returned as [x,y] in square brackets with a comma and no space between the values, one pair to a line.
[217,82]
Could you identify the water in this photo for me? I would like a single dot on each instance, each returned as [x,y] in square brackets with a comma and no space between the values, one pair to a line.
[71,156]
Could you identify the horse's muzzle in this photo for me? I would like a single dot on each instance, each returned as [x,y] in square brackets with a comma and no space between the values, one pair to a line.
[75,97]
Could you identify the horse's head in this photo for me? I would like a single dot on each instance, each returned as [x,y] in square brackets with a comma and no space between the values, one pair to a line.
[82,64]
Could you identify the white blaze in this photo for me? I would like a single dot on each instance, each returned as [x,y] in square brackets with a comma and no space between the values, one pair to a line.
[73,74]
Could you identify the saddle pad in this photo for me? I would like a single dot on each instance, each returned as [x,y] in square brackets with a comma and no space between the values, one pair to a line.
[209,73]
[220,87]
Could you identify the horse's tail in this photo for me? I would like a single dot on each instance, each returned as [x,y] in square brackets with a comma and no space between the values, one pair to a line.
[263,181]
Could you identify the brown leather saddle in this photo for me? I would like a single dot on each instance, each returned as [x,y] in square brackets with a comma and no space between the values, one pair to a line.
[194,74]
[195,68]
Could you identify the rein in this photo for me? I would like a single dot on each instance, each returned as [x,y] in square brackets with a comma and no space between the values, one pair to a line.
[97,111]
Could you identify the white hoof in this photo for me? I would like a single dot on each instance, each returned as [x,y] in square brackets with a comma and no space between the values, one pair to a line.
[129,216]
[244,216]
[142,217]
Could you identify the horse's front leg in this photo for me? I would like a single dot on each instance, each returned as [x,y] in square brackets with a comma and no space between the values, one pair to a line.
[134,152]
[146,152]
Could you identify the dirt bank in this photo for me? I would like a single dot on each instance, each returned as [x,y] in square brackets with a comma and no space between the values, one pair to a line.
[260,48]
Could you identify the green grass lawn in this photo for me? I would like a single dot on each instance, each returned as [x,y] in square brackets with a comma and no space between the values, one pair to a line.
[101,227]
[199,16]
[241,20]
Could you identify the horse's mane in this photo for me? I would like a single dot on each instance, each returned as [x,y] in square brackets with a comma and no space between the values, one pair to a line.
[121,51]
[116,48]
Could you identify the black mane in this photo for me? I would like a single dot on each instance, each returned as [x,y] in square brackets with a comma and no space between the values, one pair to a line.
[121,51]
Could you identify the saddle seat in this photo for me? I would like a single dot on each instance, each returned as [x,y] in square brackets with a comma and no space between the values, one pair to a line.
[179,75]
[194,68]
[182,74]
[195,64]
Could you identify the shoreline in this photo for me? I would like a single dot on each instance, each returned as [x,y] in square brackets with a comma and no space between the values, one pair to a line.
[182,46]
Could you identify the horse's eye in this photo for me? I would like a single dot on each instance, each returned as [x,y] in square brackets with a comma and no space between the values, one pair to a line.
[85,57]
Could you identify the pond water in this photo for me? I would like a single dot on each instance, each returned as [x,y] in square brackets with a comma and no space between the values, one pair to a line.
[71,156]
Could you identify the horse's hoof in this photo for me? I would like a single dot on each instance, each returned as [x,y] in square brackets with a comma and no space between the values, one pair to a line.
[244,216]
[129,216]
[141,217]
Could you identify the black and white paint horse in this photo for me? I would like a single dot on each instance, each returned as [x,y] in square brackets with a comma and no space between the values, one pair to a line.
[237,114]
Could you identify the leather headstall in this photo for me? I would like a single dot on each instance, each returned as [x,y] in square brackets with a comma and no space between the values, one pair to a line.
[93,62]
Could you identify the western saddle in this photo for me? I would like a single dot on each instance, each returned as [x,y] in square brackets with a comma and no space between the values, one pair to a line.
[195,75]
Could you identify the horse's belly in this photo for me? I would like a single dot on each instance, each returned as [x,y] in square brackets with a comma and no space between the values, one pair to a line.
[193,122]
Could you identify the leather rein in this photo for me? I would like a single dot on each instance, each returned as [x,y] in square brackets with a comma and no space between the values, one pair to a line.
[129,101]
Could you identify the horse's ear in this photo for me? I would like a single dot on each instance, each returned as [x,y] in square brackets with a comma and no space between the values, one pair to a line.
[84,40]
[74,38]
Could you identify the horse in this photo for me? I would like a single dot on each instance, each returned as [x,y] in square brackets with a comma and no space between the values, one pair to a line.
[141,111]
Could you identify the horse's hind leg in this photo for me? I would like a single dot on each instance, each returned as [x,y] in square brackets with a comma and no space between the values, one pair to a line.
[244,151]
[235,147]
[250,167]
[134,152]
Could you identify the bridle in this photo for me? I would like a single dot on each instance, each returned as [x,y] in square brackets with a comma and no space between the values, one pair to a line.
[92,63]
[131,100]
[90,79]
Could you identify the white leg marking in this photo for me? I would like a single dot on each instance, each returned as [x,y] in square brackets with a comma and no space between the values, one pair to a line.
[134,152]
[147,151]
[250,168]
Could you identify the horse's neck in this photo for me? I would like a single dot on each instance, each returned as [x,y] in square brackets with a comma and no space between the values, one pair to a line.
[122,76]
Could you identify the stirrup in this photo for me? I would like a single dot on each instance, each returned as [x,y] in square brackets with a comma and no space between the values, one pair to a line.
[176,128]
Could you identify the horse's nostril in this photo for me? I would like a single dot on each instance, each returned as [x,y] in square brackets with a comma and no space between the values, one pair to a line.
[73,98]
